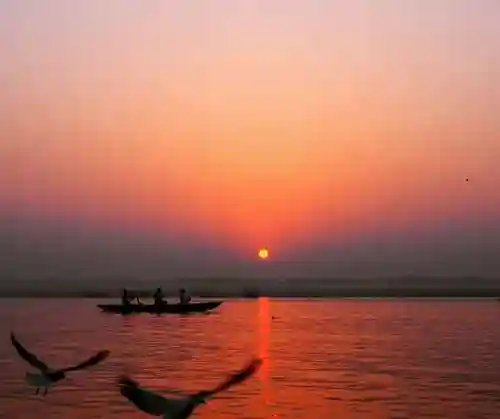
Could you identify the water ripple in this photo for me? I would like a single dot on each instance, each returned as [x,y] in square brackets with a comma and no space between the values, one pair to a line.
[323,359]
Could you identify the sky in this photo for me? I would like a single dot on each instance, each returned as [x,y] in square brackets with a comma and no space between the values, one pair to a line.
[360,137]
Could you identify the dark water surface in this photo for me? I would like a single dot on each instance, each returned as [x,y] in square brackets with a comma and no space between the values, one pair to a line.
[325,359]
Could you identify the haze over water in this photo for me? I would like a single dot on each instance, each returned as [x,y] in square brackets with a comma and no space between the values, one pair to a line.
[324,359]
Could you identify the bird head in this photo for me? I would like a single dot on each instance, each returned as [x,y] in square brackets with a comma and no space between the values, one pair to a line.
[126,385]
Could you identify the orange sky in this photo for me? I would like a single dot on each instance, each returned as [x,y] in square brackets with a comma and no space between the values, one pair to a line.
[247,128]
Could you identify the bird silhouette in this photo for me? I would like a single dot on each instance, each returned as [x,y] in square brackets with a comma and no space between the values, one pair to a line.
[49,376]
[179,407]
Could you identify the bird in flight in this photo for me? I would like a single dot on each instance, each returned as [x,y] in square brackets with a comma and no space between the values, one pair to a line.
[49,376]
[179,407]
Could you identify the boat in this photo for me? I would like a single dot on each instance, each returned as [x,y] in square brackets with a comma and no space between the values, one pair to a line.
[201,307]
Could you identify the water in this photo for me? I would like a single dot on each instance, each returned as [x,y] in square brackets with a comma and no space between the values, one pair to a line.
[325,358]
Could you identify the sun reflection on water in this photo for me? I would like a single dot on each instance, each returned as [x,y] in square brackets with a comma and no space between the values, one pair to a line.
[264,328]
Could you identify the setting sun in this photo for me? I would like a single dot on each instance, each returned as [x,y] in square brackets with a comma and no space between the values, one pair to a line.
[263,253]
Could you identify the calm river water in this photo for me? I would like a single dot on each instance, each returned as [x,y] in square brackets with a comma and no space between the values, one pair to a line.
[324,359]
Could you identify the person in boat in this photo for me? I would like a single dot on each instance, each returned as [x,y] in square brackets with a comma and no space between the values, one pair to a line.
[126,298]
[184,297]
[158,297]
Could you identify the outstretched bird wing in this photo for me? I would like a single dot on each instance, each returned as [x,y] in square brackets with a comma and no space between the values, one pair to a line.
[237,377]
[146,400]
[93,360]
[26,355]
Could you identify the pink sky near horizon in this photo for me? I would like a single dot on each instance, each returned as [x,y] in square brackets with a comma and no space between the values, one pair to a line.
[252,123]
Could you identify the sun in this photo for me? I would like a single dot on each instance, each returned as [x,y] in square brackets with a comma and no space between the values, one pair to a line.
[263,253]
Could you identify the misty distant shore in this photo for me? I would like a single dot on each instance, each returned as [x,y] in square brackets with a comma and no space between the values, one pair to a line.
[487,294]
[407,287]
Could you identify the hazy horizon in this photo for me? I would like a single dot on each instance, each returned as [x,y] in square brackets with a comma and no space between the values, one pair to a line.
[351,139]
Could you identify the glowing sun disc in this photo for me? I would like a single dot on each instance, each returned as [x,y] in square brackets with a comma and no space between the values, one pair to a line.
[263,253]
